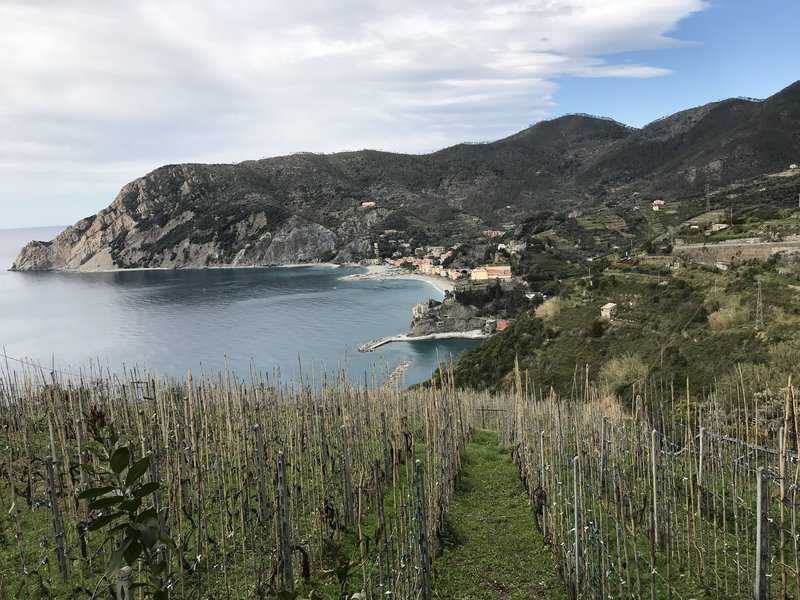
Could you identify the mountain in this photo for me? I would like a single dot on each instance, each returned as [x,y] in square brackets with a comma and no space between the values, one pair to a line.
[308,207]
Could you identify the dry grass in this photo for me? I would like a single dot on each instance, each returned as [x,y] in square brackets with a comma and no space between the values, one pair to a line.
[610,407]
[725,318]
[549,309]
[623,371]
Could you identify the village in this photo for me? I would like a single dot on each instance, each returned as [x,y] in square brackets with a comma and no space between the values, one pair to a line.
[490,277]
[468,310]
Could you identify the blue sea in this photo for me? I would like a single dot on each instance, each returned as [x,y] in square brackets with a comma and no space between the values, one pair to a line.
[285,322]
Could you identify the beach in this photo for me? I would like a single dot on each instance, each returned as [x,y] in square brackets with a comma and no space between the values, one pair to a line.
[385,272]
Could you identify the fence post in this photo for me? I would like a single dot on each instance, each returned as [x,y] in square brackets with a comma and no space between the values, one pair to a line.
[603,457]
[653,464]
[654,539]
[542,483]
[577,500]
[700,473]
[284,543]
[422,533]
[53,484]
[761,584]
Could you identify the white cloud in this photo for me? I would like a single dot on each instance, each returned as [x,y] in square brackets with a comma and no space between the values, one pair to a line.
[120,87]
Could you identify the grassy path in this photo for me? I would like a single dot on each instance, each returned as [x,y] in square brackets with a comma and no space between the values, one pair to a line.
[492,549]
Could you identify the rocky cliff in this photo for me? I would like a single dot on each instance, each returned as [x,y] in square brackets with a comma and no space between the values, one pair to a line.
[308,207]
[197,216]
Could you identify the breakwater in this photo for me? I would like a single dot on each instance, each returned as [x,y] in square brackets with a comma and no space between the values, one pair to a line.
[475,334]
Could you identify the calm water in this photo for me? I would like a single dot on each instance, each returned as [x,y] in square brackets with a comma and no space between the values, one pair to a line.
[171,321]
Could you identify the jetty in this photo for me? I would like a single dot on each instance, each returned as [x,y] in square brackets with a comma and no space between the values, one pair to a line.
[474,334]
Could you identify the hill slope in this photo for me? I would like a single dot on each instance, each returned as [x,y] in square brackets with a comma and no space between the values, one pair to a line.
[307,207]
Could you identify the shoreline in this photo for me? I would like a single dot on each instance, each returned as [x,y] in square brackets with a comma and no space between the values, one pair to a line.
[325,265]
[384,272]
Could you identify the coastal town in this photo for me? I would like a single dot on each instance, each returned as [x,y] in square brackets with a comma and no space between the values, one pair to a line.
[467,310]
[491,277]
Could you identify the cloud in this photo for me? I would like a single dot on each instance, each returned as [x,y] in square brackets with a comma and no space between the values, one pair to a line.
[117,88]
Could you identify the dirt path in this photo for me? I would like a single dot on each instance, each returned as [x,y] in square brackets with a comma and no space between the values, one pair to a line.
[492,548]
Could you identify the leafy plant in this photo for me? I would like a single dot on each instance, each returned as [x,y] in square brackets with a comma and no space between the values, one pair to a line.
[124,510]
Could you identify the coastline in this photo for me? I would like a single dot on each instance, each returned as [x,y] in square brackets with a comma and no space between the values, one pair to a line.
[386,273]
[380,272]
[325,265]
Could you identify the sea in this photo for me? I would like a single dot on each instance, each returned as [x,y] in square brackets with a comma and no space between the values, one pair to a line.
[284,323]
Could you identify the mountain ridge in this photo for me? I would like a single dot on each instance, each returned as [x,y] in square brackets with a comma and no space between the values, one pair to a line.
[307,207]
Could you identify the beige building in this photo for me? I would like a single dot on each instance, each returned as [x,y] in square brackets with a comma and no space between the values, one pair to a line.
[490,272]
[479,274]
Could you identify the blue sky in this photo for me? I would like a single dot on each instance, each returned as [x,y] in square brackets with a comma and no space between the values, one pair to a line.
[734,48]
[97,94]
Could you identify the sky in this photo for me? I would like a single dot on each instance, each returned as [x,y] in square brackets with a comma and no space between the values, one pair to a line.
[95,94]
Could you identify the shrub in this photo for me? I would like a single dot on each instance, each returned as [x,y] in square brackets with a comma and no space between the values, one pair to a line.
[549,309]
[623,371]
[725,318]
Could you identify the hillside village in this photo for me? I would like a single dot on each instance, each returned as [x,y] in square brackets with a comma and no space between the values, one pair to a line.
[500,276]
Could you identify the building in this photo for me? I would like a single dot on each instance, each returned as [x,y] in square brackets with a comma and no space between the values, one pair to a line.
[793,166]
[456,274]
[479,274]
[498,272]
[368,204]
[607,311]
[658,205]
[502,324]
[490,272]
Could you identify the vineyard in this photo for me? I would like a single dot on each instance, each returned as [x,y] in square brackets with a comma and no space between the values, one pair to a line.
[141,487]
[224,488]
[675,499]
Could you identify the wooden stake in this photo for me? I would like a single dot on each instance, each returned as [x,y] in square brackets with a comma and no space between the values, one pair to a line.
[761,584]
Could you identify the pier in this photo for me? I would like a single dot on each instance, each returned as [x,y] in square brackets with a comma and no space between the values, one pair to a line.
[474,334]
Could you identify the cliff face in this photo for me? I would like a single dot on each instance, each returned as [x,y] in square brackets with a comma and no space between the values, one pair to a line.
[308,207]
[185,216]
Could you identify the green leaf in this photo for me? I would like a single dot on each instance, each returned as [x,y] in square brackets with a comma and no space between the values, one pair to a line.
[132,552]
[137,469]
[95,492]
[116,556]
[102,503]
[147,515]
[120,459]
[104,520]
[146,489]
[148,532]
[117,528]
[130,506]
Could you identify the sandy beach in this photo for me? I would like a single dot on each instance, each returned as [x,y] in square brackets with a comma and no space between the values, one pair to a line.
[385,273]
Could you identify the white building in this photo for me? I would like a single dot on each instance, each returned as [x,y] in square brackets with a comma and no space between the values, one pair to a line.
[607,311]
